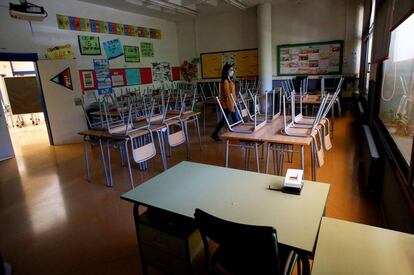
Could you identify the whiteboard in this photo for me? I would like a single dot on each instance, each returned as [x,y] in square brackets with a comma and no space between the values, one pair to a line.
[244,61]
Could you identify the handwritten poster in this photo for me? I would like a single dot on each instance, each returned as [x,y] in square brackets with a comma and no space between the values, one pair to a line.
[312,58]
[103,76]
[113,48]
[133,76]
[131,53]
[118,77]
[60,52]
[89,45]
[147,49]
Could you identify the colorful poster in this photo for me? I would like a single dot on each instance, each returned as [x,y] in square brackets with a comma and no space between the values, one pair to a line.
[113,48]
[73,23]
[133,76]
[175,71]
[131,53]
[87,79]
[89,45]
[147,49]
[310,59]
[103,76]
[146,75]
[118,77]
[161,72]
[63,78]
[60,52]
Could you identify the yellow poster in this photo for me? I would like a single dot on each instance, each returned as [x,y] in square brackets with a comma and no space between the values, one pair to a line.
[211,65]
[246,63]
[60,52]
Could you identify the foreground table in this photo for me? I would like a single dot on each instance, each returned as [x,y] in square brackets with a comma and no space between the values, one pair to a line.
[351,248]
[239,196]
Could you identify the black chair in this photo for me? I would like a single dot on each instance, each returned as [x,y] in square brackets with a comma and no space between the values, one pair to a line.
[243,249]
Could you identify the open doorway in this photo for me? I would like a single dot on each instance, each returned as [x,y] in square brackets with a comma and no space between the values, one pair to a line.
[21,103]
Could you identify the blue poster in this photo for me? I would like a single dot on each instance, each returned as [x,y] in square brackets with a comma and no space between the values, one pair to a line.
[133,76]
[113,48]
[103,76]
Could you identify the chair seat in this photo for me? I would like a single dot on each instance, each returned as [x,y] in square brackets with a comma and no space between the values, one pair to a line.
[144,153]
[176,139]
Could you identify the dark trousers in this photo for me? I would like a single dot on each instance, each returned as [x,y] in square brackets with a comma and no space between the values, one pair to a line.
[234,117]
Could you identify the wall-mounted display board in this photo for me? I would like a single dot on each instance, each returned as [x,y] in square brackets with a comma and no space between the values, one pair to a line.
[118,77]
[89,45]
[23,94]
[244,61]
[133,76]
[131,53]
[103,76]
[310,58]
[73,23]
[147,49]
[87,79]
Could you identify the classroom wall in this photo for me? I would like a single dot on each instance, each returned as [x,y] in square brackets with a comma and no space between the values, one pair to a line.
[17,36]
[292,22]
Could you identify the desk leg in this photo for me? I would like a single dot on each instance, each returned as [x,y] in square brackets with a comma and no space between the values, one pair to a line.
[162,153]
[204,118]
[104,162]
[198,131]
[187,139]
[267,158]
[302,159]
[136,219]
[85,150]
[129,163]
[305,263]
[256,149]
[227,153]
[108,148]
[313,160]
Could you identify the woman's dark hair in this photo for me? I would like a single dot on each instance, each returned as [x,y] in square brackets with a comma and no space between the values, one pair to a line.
[225,71]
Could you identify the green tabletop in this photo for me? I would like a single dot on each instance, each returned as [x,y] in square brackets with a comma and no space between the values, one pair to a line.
[352,248]
[239,196]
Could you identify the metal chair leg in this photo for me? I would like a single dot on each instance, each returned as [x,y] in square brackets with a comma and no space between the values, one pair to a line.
[198,131]
[85,150]
[267,158]
[104,162]
[256,147]
[227,153]
[129,164]
[108,148]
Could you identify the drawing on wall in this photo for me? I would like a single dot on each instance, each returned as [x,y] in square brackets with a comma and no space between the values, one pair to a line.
[113,48]
[88,79]
[131,53]
[63,78]
[312,58]
[89,45]
[147,49]
[103,76]
[161,71]
[72,23]
[60,52]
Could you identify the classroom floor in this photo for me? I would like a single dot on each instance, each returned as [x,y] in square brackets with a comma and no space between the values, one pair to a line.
[54,222]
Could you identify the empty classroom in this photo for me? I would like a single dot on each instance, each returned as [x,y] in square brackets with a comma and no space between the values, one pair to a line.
[207,137]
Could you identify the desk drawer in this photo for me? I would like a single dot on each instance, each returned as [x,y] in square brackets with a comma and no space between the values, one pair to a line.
[162,241]
[164,261]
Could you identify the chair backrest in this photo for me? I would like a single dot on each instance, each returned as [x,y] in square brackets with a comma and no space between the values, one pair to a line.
[225,117]
[243,249]
[333,98]
[145,151]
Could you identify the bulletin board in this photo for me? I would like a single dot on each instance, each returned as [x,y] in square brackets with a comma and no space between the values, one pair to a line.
[245,63]
[310,59]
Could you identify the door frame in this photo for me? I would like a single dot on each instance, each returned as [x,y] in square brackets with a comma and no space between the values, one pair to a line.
[31,57]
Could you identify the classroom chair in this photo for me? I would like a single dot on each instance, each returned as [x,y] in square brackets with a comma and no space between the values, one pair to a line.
[243,249]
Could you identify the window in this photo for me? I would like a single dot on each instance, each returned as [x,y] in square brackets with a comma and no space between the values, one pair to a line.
[368,49]
[397,95]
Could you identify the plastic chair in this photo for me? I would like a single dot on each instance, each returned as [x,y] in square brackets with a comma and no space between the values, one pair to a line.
[243,249]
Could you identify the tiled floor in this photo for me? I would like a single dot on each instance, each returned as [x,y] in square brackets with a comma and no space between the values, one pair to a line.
[54,222]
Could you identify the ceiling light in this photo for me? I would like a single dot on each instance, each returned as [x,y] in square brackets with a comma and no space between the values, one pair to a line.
[237,4]
[174,7]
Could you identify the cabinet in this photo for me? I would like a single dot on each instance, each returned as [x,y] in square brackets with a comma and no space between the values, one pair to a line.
[167,241]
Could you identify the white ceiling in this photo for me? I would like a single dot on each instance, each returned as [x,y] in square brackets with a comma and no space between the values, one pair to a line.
[203,7]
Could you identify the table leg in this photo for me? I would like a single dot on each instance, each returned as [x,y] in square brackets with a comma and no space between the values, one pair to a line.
[103,162]
[256,147]
[161,145]
[305,263]
[128,163]
[198,131]
[187,140]
[302,159]
[85,149]
[227,153]
[108,149]
[313,160]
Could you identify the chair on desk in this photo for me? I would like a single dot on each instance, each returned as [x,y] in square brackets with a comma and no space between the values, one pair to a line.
[243,249]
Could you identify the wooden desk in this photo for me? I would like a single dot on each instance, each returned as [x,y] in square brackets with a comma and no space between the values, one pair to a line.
[239,196]
[271,133]
[352,248]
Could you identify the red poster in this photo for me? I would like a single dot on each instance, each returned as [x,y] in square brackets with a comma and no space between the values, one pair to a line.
[118,77]
[175,73]
[146,75]
[87,79]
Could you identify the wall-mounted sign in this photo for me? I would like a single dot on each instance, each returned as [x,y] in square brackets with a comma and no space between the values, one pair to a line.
[63,78]
[87,79]
[60,52]
[131,53]
[118,77]
[113,48]
[147,49]
[103,76]
[89,45]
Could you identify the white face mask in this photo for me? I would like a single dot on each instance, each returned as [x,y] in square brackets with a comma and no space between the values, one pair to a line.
[231,73]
